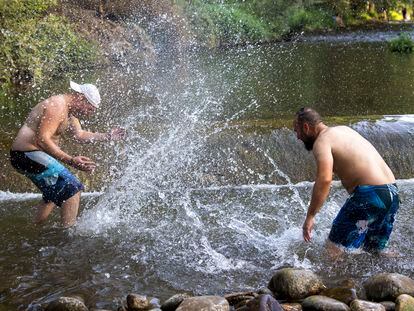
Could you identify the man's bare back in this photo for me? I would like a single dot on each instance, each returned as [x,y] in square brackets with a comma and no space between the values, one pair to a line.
[355,160]
[26,139]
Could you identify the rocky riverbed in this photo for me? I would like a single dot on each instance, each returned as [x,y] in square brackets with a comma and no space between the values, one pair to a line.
[289,289]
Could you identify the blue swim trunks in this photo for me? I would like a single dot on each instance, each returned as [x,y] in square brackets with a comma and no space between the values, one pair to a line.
[367,218]
[54,180]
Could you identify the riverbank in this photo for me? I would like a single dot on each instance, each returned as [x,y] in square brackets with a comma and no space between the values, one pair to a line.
[289,289]
[76,35]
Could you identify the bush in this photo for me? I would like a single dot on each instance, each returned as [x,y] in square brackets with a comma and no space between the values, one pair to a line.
[220,24]
[300,19]
[402,44]
[35,45]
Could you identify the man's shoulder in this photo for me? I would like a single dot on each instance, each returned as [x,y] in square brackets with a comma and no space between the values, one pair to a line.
[55,103]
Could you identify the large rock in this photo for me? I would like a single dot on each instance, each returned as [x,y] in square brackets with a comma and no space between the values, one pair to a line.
[295,284]
[66,304]
[405,303]
[173,302]
[362,305]
[322,303]
[205,303]
[388,286]
[344,294]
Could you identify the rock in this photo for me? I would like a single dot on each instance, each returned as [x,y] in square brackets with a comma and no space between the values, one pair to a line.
[388,286]
[264,303]
[235,298]
[295,284]
[348,283]
[205,303]
[66,304]
[291,307]
[138,302]
[346,295]
[404,303]
[322,303]
[264,291]
[389,305]
[362,305]
[173,302]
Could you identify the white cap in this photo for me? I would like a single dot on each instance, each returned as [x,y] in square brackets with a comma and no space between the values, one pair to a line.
[89,90]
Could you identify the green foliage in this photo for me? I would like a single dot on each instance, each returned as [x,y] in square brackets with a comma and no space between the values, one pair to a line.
[220,24]
[402,44]
[35,45]
[300,19]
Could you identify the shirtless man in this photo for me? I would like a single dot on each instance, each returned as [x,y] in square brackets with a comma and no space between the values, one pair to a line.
[35,152]
[367,217]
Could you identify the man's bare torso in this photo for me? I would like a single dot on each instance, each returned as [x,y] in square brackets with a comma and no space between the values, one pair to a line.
[356,161]
[26,139]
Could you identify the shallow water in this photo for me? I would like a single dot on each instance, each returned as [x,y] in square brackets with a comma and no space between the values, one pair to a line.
[209,192]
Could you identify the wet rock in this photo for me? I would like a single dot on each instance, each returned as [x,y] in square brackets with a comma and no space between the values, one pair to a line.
[235,299]
[205,303]
[173,302]
[122,308]
[66,304]
[322,303]
[291,307]
[348,283]
[295,284]
[264,291]
[346,295]
[404,303]
[140,303]
[388,286]
[264,303]
[362,305]
[389,305]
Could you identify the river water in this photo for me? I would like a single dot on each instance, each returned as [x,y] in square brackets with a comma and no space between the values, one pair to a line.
[209,192]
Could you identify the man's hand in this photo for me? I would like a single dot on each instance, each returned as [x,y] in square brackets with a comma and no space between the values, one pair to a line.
[307,228]
[83,163]
[117,133]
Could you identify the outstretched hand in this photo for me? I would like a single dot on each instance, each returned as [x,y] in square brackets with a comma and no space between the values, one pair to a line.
[117,133]
[83,163]
[307,228]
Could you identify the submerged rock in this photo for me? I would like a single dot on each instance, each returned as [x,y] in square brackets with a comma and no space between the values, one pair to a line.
[66,304]
[295,284]
[346,295]
[140,303]
[322,303]
[291,306]
[205,303]
[362,305]
[388,286]
[173,302]
[404,303]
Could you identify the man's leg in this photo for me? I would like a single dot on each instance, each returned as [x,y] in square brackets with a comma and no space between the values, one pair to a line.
[43,211]
[69,210]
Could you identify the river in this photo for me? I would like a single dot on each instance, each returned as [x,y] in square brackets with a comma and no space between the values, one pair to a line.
[209,192]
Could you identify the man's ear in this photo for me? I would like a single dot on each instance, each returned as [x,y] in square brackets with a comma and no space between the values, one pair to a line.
[306,128]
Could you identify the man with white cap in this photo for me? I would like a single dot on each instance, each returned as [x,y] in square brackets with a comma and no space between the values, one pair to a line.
[36,154]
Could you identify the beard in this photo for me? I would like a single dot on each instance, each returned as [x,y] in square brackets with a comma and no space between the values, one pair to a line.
[308,142]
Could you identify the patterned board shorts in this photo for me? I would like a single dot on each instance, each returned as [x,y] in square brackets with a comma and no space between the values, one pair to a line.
[367,218]
[54,180]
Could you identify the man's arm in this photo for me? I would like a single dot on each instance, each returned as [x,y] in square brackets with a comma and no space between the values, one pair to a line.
[83,136]
[324,162]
